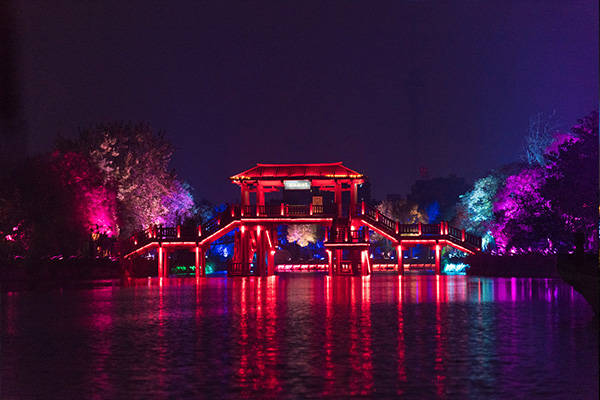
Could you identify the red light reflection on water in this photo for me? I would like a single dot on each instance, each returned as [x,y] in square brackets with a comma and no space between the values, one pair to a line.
[440,340]
[354,383]
[352,338]
[257,345]
[401,350]
[243,369]
[8,317]
[329,388]
[366,349]
[343,321]
[101,322]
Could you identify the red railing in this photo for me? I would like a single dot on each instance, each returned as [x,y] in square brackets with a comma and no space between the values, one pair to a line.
[394,229]
[281,210]
[345,235]
[368,213]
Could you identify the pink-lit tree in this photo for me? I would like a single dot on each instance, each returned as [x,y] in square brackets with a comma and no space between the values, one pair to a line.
[135,162]
[94,202]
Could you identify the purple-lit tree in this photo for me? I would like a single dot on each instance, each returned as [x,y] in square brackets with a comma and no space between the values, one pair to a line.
[571,187]
[539,208]
[519,209]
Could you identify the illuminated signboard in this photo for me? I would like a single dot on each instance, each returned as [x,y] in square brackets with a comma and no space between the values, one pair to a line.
[296,185]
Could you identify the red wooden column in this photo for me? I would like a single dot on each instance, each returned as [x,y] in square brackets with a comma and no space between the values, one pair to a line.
[272,250]
[165,263]
[245,194]
[338,260]
[260,195]
[197,261]
[160,261]
[400,259]
[338,197]
[365,268]
[237,250]
[437,259]
[202,261]
[353,197]
[271,262]
[245,241]
[261,236]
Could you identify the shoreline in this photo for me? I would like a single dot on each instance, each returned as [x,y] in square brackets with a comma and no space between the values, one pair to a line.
[75,273]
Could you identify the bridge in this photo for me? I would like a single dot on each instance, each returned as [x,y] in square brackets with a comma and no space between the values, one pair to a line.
[347,224]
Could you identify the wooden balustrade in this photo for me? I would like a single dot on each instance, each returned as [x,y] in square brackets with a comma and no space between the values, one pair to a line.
[430,229]
[454,232]
[344,235]
[369,213]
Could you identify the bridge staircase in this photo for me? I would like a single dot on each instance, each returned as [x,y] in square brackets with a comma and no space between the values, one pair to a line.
[442,232]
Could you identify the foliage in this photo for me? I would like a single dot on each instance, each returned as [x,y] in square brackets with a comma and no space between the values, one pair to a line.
[112,179]
[43,209]
[302,234]
[400,210]
[476,208]
[538,207]
[571,186]
[134,160]
[94,202]
[515,205]
[403,211]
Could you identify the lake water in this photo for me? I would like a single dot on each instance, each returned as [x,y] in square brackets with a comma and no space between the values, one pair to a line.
[301,336]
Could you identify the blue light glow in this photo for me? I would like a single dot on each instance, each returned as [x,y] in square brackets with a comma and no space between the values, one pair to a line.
[456,269]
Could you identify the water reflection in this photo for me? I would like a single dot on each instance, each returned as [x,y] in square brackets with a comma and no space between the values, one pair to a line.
[302,336]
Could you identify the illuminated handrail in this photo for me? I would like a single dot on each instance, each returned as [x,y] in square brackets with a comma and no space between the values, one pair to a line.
[408,229]
[297,210]
[430,229]
[345,235]
[473,239]
[442,230]
[369,213]
[376,217]
[454,232]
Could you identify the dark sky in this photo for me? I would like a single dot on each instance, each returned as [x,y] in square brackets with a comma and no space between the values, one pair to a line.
[385,89]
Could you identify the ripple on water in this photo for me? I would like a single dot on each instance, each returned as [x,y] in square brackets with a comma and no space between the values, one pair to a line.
[302,336]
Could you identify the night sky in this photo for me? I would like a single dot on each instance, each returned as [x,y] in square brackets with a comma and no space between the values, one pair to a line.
[386,90]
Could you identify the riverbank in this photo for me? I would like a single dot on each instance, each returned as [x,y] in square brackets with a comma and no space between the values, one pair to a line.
[584,275]
[20,275]
[520,266]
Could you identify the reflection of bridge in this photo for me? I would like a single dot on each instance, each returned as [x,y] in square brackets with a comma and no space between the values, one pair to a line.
[347,224]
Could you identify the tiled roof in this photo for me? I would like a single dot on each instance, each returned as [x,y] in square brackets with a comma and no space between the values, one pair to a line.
[297,171]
